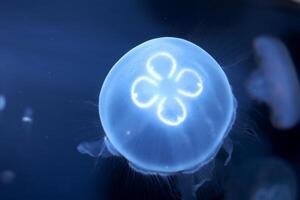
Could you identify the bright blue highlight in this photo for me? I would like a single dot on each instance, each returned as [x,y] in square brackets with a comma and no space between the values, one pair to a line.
[166,106]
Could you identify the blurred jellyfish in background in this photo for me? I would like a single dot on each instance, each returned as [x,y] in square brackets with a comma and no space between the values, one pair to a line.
[7,177]
[262,179]
[297,1]
[27,119]
[27,116]
[275,82]
[167,107]
[2,102]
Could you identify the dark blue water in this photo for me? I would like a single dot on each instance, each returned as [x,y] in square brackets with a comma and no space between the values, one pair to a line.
[54,56]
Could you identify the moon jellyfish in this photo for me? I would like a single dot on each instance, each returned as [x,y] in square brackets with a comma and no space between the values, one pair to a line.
[263,179]
[167,107]
[2,102]
[275,82]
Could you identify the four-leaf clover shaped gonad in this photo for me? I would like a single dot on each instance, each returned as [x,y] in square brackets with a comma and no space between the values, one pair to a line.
[188,84]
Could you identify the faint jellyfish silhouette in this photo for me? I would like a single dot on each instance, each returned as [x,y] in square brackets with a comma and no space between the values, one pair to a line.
[27,116]
[27,120]
[167,107]
[7,176]
[274,192]
[275,82]
[262,179]
[296,1]
[2,102]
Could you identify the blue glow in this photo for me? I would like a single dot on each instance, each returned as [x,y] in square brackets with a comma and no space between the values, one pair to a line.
[2,102]
[166,106]
[28,115]
[262,179]
[273,192]
[275,82]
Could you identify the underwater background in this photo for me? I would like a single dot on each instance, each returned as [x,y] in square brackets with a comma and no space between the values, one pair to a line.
[55,55]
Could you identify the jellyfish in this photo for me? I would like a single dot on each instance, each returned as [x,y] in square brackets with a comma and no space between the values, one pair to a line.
[7,176]
[167,107]
[2,102]
[262,179]
[275,82]
[296,1]
[27,116]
